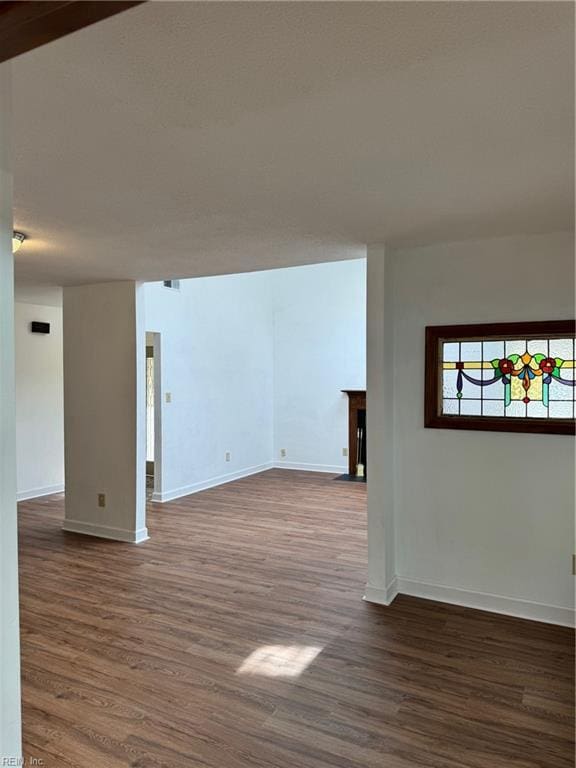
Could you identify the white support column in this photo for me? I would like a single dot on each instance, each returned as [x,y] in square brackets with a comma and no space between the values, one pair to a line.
[10,725]
[381,586]
[105,410]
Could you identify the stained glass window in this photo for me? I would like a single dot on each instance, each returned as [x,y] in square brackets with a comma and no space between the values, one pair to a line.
[524,378]
[495,377]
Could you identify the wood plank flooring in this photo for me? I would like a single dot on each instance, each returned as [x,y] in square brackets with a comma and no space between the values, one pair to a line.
[237,638]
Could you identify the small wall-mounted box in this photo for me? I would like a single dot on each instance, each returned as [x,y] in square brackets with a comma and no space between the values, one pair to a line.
[37,327]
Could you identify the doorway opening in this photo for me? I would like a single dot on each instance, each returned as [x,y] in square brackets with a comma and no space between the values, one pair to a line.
[153,414]
[149,416]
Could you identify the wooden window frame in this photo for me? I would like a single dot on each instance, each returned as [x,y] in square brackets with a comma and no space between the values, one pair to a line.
[438,334]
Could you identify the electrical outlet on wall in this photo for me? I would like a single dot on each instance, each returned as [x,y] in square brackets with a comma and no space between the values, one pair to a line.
[227,454]
[101,499]
[168,397]
[344,451]
[282,453]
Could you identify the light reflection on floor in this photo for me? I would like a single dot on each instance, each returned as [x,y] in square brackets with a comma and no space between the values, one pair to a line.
[279,660]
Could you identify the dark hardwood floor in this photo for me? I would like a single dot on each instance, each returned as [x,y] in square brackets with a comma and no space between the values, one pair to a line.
[237,638]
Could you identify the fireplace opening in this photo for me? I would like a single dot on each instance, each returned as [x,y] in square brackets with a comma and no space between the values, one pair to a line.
[357,454]
[361,439]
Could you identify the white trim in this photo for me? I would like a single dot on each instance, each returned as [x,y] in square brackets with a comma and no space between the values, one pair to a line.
[187,490]
[333,469]
[483,601]
[381,596]
[105,531]
[35,493]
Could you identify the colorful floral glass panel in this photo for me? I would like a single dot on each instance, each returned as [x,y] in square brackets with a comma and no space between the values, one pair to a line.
[512,378]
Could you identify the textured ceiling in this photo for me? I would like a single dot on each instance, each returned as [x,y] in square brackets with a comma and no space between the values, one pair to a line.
[184,139]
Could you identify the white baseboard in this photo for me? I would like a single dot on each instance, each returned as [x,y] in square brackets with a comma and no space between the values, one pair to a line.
[105,531]
[333,469]
[187,490]
[483,601]
[35,493]
[379,595]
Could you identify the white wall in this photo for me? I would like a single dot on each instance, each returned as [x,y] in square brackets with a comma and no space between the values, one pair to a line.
[319,349]
[295,337]
[10,721]
[255,363]
[105,410]
[489,514]
[216,363]
[39,402]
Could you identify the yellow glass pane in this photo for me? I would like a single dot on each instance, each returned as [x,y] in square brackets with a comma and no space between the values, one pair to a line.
[519,393]
[469,365]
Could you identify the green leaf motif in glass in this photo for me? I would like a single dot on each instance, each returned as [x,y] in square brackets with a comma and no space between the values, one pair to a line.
[495,364]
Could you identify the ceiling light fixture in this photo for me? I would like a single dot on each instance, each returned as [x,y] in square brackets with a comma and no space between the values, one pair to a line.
[17,240]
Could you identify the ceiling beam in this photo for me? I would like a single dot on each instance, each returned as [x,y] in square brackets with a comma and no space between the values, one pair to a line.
[28,25]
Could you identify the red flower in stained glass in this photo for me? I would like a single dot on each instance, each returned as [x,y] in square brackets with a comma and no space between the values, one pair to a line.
[505,365]
[548,364]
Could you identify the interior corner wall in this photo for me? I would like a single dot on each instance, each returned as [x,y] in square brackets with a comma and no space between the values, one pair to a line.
[39,402]
[319,350]
[254,363]
[216,366]
[482,518]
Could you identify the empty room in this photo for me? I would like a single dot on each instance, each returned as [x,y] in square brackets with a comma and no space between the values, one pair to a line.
[287,384]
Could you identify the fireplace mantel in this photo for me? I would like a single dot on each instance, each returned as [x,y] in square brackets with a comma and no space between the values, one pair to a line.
[356,418]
